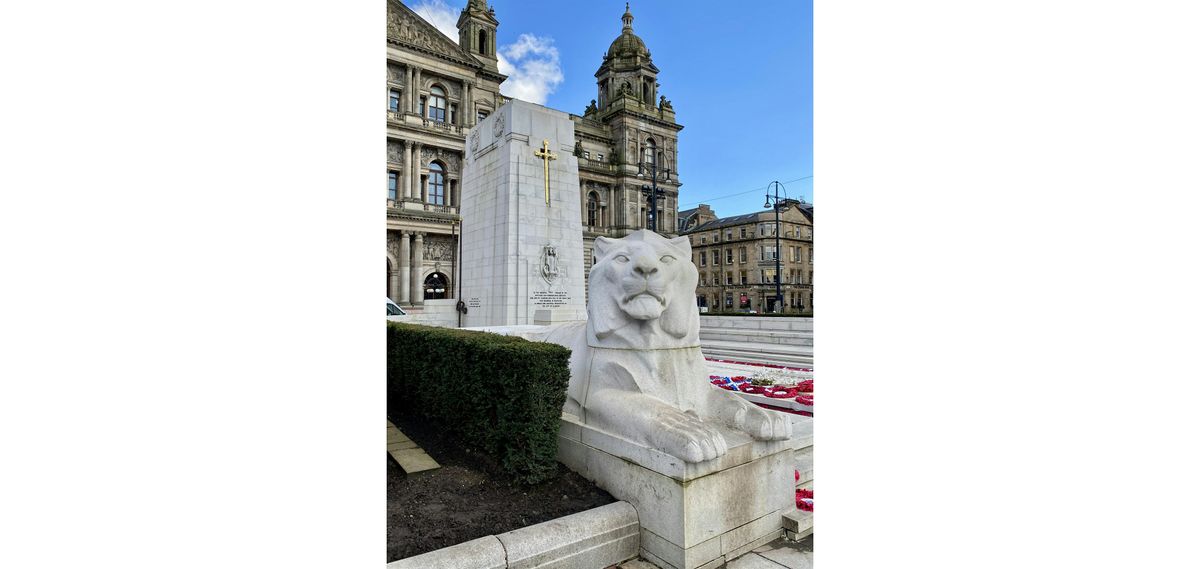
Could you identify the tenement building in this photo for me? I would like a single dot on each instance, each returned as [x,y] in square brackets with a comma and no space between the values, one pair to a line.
[736,257]
[626,141]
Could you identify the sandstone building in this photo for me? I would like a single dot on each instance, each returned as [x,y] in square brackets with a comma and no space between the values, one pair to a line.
[736,258]
[437,90]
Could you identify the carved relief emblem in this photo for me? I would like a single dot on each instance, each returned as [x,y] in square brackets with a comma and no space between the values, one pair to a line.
[475,141]
[550,270]
[498,125]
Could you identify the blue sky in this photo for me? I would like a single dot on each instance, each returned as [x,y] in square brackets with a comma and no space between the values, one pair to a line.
[739,77]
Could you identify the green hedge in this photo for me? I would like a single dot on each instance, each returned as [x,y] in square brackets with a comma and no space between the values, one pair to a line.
[500,394]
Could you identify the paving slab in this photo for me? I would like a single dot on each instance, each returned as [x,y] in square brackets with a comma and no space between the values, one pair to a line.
[414,460]
[752,561]
[408,455]
[637,564]
[790,557]
[402,446]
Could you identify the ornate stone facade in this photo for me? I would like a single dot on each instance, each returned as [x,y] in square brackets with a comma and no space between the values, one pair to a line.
[630,129]
[435,92]
[736,258]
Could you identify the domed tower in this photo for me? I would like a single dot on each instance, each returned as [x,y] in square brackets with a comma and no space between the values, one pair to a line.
[628,140]
[627,68]
[477,32]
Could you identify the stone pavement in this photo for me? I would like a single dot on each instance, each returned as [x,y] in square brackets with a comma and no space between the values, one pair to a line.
[775,555]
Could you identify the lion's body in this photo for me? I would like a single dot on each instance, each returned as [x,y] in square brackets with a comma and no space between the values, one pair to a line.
[636,365]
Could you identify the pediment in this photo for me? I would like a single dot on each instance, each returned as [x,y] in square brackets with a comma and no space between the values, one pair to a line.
[407,28]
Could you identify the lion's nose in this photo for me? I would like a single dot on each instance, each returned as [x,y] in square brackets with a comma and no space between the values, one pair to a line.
[645,268]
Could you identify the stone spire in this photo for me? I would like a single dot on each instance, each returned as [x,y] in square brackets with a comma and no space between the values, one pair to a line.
[627,19]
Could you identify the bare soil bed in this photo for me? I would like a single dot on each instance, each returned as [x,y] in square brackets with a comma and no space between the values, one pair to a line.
[467,498]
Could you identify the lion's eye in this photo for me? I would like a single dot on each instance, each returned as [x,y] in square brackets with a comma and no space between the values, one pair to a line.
[622,259]
[666,258]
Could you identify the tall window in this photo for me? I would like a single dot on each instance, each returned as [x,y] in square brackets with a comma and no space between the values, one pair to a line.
[729,256]
[743,233]
[437,104]
[593,208]
[437,184]
[394,100]
[648,152]
[703,259]
[743,275]
[392,177]
[768,253]
[483,45]
[742,255]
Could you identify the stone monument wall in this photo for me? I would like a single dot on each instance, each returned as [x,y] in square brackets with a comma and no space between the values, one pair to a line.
[522,237]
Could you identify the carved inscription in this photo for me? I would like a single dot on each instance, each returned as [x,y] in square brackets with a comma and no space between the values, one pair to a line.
[550,298]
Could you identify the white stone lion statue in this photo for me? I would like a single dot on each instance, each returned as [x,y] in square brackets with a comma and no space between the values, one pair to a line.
[636,367]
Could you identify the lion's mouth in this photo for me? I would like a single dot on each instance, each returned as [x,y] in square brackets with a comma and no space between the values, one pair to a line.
[644,293]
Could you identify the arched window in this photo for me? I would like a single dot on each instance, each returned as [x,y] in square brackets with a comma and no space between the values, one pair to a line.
[593,208]
[483,42]
[646,92]
[437,286]
[648,152]
[437,104]
[437,184]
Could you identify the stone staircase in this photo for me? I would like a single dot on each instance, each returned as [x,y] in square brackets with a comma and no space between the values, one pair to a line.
[776,341]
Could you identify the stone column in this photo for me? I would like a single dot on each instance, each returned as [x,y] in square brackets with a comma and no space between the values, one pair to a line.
[416,90]
[404,269]
[468,108]
[394,285]
[408,82]
[418,289]
[416,171]
[408,164]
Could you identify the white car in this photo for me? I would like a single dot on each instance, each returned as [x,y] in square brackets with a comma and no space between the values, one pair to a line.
[394,309]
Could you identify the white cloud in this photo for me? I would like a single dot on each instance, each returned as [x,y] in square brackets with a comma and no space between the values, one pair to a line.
[531,63]
[532,67]
[443,17]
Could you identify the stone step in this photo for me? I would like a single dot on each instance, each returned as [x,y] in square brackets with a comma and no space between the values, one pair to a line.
[750,347]
[800,324]
[790,360]
[735,336]
[799,523]
[712,328]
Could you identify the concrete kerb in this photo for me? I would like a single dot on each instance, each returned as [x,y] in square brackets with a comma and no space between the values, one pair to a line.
[600,537]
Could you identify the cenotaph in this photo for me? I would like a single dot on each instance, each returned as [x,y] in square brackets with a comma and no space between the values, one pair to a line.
[522,241]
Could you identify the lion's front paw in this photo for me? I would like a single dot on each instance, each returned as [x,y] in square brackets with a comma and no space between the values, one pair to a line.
[762,424]
[684,435]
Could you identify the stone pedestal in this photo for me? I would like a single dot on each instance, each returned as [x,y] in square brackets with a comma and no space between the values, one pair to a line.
[522,242]
[692,515]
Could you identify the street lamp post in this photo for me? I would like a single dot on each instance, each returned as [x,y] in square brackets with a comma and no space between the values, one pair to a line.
[652,193]
[776,200]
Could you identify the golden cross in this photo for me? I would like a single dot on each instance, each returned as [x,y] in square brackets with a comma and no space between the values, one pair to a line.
[546,157]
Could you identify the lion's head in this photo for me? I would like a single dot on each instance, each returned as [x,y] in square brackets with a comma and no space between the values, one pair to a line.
[645,278]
